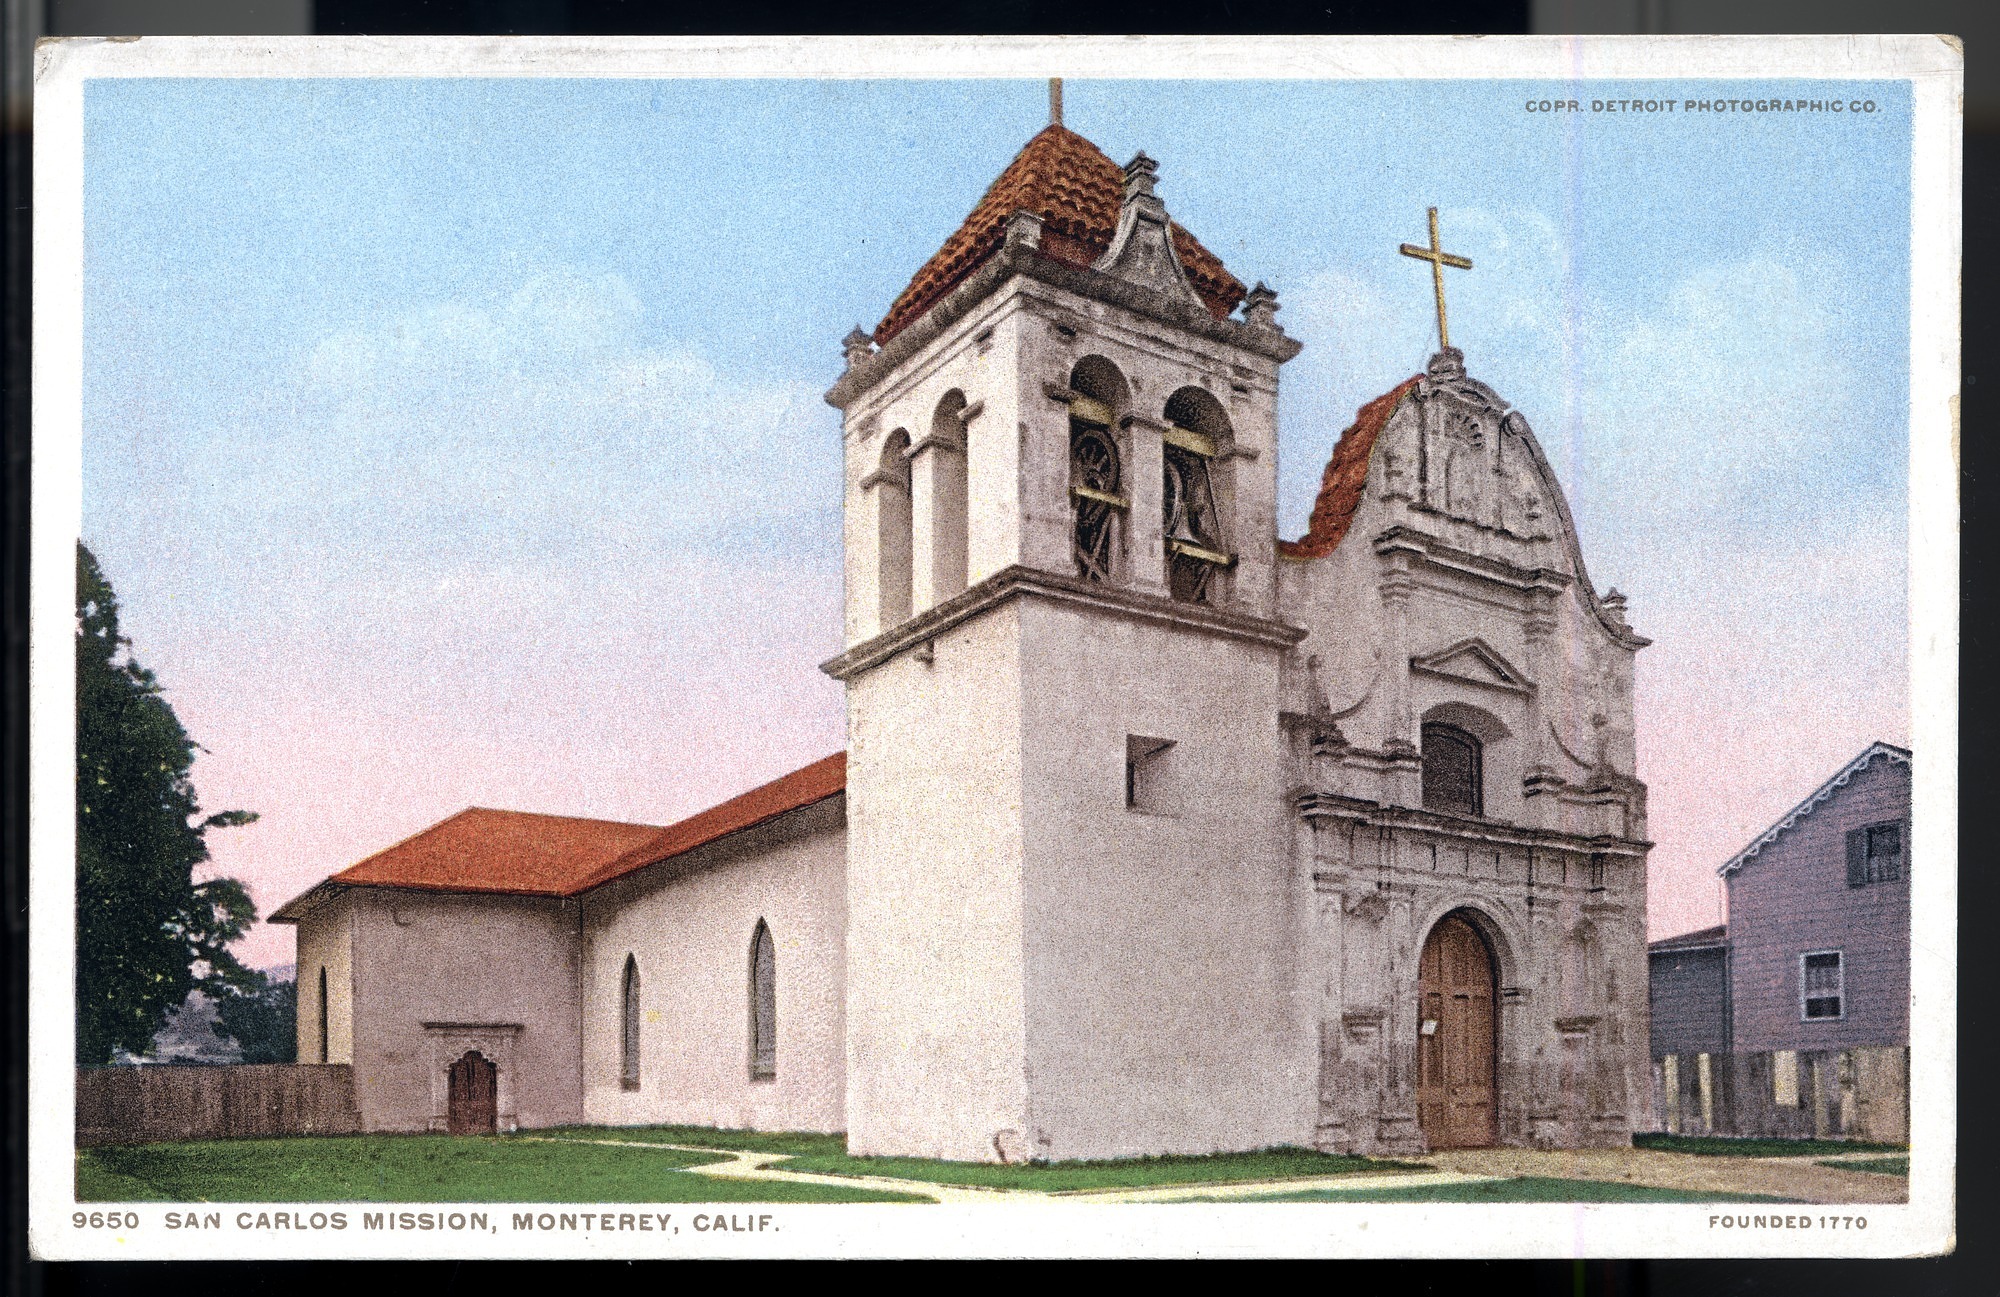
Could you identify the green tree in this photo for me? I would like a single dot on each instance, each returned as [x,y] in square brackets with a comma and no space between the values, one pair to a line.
[263,1021]
[146,931]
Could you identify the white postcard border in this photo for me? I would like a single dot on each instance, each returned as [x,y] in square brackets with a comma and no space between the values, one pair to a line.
[1925,1225]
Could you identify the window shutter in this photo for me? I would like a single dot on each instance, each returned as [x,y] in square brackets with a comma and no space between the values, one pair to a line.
[1857,857]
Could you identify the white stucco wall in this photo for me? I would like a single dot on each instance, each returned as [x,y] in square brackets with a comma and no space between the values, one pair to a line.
[326,941]
[440,957]
[934,1012]
[1162,948]
[688,923]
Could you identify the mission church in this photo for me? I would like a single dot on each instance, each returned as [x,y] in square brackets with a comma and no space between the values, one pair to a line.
[1155,833]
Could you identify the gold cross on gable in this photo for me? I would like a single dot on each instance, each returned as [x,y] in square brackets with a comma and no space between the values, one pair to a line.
[1439,259]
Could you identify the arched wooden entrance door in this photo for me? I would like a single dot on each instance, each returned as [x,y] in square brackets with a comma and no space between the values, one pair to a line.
[1457,1037]
[474,1095]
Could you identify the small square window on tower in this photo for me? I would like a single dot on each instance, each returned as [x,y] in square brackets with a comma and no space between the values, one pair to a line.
[1151,775]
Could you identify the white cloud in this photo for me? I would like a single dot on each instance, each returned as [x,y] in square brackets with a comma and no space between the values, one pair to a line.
[546,418]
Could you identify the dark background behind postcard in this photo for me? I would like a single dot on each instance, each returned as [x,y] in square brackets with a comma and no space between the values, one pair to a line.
[1976,1266]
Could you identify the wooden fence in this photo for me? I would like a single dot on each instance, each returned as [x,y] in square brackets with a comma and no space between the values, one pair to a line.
[1861,1094]
[131,1105]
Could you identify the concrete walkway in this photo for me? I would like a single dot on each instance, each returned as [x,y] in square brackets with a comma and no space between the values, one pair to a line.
[1799,1180]
[1794,1178]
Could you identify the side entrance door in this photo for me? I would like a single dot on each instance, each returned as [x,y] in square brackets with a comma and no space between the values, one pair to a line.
[1457,1038]
[473,1085]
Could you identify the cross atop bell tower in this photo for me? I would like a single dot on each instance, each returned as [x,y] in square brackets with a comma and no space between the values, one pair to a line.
[1439,259]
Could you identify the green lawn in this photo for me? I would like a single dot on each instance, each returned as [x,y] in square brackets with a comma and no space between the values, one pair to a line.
[1878,1165]
[744,1141]
[1718,1146]
[1118,1173]
[1531,1188]
[421,1168]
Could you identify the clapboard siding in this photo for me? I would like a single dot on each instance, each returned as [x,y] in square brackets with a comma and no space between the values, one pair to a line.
[1690,993]
[1792,897]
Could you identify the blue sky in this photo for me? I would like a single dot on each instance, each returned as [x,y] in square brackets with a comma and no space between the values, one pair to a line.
[461,442]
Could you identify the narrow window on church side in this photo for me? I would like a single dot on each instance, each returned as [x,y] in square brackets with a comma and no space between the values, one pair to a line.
[763,1005]
[1452,775]
[628,1043]
[322,1014]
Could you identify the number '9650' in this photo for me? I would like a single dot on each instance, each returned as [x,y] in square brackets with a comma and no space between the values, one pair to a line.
[105,1219]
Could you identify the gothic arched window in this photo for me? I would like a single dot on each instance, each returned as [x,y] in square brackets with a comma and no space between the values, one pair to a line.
[1452,775]
[1192,497]
[628,1033]
[763,1005]
[1096,468]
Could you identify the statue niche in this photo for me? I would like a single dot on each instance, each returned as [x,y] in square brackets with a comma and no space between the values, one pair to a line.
[1466,469]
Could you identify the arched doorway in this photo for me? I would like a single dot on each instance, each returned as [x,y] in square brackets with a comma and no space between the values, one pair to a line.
[474,1090]
[1458,1037]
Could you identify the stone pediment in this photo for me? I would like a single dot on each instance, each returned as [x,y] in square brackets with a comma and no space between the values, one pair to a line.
[1474,662]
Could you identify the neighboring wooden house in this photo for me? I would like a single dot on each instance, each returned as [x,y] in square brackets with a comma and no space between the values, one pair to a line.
[1794,1018]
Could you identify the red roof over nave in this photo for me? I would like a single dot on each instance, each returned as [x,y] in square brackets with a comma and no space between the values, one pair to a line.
[515,853]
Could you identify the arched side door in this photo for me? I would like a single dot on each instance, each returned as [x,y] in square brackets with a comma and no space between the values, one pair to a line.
[473,1089]
[1457,1039]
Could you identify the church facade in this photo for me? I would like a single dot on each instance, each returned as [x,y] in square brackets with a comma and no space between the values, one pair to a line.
[1155,833]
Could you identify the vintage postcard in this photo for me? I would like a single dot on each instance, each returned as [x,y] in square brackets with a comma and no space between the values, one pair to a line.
[1087,647]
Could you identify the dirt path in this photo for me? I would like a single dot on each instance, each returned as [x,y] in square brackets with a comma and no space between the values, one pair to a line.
[1779,1178]
[1791,1178]
[744,1165]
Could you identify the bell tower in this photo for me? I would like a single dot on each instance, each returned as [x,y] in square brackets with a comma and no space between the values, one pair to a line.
[1065,843]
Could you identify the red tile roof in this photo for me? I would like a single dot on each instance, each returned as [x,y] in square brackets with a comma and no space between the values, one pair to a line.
[824,778]
[1346,473]
[518,854]
[480,850]
[1077,191]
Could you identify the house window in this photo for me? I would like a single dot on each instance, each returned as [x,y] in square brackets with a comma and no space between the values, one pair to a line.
[1452,776]
[763,1005]
[1875,854]
[628,1044]
[1820,991]
[322,1014]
